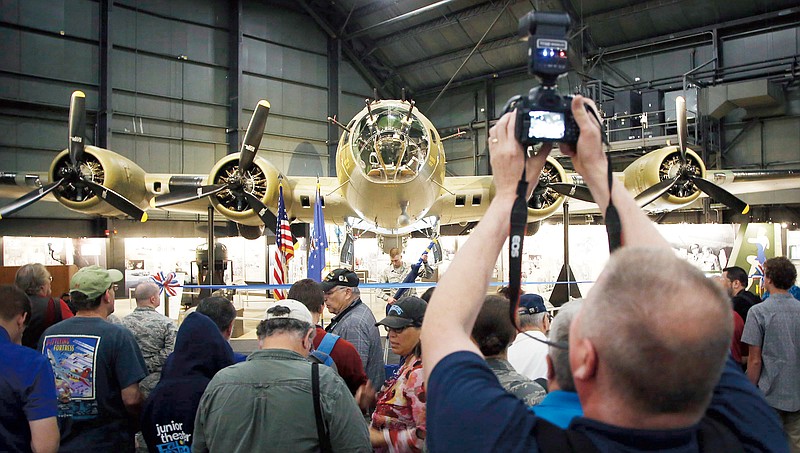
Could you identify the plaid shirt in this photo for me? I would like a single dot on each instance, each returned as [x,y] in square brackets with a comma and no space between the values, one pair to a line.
[356,324]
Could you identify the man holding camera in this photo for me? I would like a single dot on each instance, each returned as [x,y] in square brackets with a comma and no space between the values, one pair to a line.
[648,360]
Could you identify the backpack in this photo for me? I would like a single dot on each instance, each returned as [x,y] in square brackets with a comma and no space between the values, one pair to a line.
[712,436]
[323,353]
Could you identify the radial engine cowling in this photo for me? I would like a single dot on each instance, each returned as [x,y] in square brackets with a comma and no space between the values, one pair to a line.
[106,168]
[661,164]
[544,205]
[261,180]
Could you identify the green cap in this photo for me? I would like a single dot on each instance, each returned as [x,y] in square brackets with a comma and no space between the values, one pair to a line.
[93,281]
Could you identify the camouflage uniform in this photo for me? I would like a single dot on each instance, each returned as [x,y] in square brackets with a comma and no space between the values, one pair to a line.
[155,334]
[397,275]
[516,384]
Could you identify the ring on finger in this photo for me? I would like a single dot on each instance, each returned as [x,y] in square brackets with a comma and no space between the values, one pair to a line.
[494,140]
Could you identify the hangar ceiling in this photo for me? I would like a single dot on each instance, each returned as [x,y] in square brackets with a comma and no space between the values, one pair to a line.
[421,45]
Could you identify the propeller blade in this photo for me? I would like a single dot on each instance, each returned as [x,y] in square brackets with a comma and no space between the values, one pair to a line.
[572,190]
[252,138]
[116,200]
[721,195]
[180,196]
[77,126]
[29,198]
[269,219]
[683,125]
[654,192]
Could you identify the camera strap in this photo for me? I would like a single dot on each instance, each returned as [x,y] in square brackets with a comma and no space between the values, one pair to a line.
[519,223]
[613,225]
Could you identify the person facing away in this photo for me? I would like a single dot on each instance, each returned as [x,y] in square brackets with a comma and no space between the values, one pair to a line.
[493,332]
[154,332]
[398,423]
[526,354]
[397,271]
[35,280]
[344,354]
[735,281]
[97,367]
[648,348]
[354,321]
[223,313]
[28,406]
[772,331]
[267,403]
[169,413]
[561,404]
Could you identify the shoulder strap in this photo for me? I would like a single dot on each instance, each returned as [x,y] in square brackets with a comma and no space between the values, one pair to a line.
[320,357]
[328,342]
[324,441]
[715,436]
[552,439]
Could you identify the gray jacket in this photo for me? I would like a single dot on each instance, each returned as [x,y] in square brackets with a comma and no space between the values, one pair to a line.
[265,404]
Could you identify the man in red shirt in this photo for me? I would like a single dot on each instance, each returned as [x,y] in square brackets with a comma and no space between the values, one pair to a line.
[344,354]
[46,310]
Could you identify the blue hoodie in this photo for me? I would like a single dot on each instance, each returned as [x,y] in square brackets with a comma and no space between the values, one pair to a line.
[168,415]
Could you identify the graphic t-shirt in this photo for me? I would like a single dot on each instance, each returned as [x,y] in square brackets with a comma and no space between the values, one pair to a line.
[93,360]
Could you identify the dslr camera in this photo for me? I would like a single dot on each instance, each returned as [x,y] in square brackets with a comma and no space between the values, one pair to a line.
[543,115]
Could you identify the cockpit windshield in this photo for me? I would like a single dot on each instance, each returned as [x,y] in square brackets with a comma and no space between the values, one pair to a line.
[389,145]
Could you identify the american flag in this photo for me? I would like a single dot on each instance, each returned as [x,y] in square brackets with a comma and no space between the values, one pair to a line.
[285,246]
[166,282]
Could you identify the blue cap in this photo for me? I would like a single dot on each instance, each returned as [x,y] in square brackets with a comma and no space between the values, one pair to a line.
[530,304]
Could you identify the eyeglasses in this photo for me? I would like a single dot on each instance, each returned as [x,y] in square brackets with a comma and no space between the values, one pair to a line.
[50,278]
[397,331]
[114,287]
[333,290]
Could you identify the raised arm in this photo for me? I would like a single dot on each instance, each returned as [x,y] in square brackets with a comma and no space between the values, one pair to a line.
[460,292]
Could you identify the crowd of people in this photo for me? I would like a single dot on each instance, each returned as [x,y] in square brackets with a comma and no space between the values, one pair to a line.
[657,357]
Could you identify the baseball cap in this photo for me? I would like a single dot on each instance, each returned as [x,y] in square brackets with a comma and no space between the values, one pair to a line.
[339,277]
[93,280]
[291,309]
[404,313]
[530,304]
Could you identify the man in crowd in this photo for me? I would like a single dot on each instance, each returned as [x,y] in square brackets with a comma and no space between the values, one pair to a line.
[735,280]
[97,366]
[27,386]
[154,332]
[644,371]
[354,321]
[526,354]
[36,281]
[493,333]
[267,402]
[223,313]
[772,330]
[397,271]
[344,354]
[561,404]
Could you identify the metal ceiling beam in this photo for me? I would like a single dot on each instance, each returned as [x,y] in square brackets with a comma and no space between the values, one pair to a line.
[366,72]
[399,18]
[458,16]
[459,53]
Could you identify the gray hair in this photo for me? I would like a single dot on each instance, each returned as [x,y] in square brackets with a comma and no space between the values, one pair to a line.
[274,326]
[662,329]
[532,320]
[31,278]
[559,333]
[145,290]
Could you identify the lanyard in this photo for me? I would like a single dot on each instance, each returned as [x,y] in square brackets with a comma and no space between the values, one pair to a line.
[340,316]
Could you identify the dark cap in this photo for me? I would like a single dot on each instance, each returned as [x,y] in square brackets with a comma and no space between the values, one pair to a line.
[530,304]
[339,277]
[404,313]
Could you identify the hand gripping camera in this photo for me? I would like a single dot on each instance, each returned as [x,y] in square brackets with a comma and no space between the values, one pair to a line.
[543,115]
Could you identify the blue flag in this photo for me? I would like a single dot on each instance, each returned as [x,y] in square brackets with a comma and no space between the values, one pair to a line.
[319,242]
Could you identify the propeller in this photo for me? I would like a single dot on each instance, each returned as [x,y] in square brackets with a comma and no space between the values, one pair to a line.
[573,190]
[74,175]
[686,176]
[235,183]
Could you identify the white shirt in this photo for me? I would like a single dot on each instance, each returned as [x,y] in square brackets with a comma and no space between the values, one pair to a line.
[527,355]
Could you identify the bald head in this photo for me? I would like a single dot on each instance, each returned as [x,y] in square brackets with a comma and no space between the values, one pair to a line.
[146,294]
[660,331]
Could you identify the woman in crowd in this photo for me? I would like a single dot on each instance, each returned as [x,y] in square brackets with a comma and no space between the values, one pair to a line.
[399,418]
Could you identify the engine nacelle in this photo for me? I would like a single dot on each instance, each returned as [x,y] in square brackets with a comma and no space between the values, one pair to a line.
[104,167]
[661,164]
[550,201]
[261,180]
